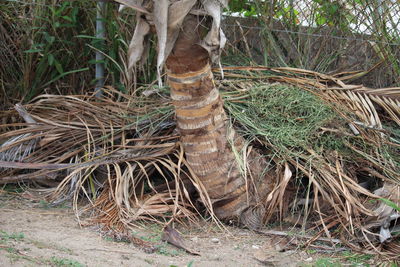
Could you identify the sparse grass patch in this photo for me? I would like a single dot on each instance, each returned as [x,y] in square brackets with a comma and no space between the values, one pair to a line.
[356,259]
[13,188]
[44,245]
[62,262]
[348,258]
[4,236]
[151,237]
[43,204]
[327,262]
[14,257]
[164,249]
[10,249]
[14,254]
[153,234]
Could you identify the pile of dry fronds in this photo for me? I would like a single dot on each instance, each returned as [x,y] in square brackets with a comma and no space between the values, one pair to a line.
[334,148]
[344,173]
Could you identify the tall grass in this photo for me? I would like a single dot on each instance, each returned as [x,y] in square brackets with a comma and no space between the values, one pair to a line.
[49,46]
[47,53]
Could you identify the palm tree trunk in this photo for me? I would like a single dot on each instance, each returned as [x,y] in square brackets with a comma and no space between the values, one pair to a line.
[207,140]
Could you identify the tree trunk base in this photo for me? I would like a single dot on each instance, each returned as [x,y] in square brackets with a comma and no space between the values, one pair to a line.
[230,173]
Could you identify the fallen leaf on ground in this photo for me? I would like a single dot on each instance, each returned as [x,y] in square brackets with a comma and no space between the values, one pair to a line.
[172,236]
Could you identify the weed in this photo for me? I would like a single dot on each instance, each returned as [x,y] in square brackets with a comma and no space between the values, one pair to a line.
[164,250]
[4,236]
[154,234]
[326,262]
[11,250]
[16,257]
[357,259]
[43,204]
[390,204]
[107,238]
[154,237]
[62,262]
[12,188]
[311,251]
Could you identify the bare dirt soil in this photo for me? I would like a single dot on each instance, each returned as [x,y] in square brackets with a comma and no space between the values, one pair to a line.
[34,234]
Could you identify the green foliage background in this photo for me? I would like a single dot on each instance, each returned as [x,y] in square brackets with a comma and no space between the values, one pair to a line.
[49,46]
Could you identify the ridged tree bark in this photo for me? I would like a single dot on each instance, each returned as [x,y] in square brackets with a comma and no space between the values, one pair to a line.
[208,142]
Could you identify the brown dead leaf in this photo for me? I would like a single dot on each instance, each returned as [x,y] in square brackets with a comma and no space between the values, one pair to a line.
[134,5]
[270,257]
[265,257]
[278,243]
[172,236]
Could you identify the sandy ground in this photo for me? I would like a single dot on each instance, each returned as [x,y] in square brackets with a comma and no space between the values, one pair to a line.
[33,234]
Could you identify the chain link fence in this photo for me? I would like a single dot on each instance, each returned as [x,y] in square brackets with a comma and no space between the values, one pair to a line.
[43,41]
[376,18]
[324,35]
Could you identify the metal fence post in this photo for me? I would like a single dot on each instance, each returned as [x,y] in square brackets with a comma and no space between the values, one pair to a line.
[100,35]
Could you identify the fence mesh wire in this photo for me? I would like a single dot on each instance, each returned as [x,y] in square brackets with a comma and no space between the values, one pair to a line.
[324,35]
[376,18]
[330,36]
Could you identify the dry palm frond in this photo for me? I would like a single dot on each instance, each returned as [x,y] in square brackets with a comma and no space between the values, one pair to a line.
[124,156]
[121,156]
[19,147]
[132,195]
[88,142]
[386,98]
[20,152]
[341,180]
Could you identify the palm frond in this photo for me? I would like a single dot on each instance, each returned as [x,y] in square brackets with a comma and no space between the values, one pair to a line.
[124,157]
